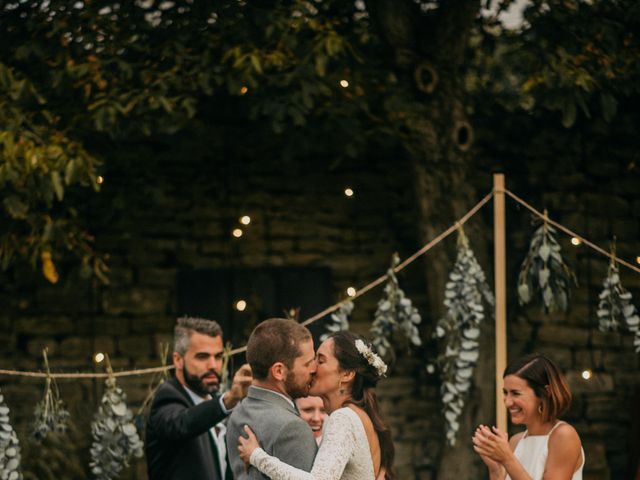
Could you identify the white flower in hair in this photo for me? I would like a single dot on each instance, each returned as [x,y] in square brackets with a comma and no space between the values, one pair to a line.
[372,359]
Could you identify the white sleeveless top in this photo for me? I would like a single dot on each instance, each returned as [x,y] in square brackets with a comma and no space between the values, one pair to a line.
[531,452]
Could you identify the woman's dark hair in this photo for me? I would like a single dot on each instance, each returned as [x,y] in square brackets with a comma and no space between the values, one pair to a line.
[547,382]
[363,391]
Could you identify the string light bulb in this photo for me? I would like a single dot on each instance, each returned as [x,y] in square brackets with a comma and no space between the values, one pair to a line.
[99,180]
[344,83]
[575,241]
[237,232]
[241,305]
[638,259]
[98,357]
[351,292]
[243,90]
[587,374]
[245,220]
[349,192]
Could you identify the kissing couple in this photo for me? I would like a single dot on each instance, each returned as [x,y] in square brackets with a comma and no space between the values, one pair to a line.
[266,438]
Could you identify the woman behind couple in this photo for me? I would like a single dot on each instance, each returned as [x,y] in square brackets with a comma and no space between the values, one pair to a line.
[356,444]
[535,394]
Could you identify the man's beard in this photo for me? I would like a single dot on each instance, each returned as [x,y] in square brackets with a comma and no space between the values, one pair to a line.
[196,385]
[294,388]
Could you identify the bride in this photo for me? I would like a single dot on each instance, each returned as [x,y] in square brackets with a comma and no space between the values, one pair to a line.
[356,443]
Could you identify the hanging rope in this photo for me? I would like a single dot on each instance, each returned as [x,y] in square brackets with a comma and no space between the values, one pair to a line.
[456,225]
[592,245]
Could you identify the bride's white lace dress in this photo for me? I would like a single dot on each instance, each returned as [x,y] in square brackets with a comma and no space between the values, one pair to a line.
[343,455]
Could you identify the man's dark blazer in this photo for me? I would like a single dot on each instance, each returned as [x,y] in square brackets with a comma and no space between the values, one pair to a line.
[178,443]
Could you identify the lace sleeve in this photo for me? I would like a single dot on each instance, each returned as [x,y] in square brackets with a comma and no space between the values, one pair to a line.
[335,451]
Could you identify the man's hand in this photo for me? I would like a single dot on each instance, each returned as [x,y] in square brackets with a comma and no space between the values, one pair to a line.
[241,382]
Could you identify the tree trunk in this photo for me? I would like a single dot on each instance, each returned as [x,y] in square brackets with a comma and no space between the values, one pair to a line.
[428,50]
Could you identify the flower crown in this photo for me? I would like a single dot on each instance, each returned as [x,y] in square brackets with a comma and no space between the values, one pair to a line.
[372,359]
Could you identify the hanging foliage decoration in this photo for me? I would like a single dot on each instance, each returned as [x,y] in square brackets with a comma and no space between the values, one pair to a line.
[9,446]
[50,414]
[543,270]
[615,303]
[339,320]
[115,437]
[395,312]
[460,327]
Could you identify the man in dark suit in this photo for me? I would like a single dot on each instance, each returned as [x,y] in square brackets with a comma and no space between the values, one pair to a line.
[182,437]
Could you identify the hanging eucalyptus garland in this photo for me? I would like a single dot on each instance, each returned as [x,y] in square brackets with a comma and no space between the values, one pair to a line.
[115,437]
[395,312]
[339,320]
[543,270]
[50,414]
[460,327]
[615,303]
[9,446]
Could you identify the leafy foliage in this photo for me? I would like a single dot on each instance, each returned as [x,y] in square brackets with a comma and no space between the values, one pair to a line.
[395,313]
[543,270]
[339,319]
[115,437]
[615,305]
[9,446]
[465,296]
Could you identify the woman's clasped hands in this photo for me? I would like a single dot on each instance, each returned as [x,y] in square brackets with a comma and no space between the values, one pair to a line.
[492,445]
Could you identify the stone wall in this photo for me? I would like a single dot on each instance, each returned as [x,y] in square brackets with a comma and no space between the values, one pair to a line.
[161,213]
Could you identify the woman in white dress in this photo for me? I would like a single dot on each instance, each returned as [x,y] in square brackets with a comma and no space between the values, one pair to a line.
[535,394]
[356,443]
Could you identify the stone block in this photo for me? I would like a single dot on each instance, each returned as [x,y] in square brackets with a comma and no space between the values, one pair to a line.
[561,356]
[599,382]
[587,358]
[137,301]
[157,277]
[607,407]
[135,346]
[103,325]
[606,339]
[519,330]
[78,347]
[630,379]
[561,335]
[57,325]
[35,346]
[120,276]
[156,323]
[620,360]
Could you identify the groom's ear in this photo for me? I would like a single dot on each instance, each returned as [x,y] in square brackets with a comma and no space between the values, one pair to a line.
[278,371]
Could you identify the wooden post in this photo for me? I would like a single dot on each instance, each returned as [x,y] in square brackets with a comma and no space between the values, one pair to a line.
[500,254]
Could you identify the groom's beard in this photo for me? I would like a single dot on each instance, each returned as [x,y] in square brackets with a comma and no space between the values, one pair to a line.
[295,387]
[197,385]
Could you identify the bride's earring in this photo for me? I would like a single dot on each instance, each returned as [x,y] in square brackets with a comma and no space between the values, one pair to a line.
[540,409]
[340,389]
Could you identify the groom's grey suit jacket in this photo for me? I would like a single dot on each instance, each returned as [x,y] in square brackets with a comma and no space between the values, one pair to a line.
[279,428]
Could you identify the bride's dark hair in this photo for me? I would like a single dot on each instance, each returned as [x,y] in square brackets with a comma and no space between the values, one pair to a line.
[363,391]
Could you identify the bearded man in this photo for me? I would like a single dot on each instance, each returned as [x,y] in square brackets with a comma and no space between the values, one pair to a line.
[184,436]
[283,363]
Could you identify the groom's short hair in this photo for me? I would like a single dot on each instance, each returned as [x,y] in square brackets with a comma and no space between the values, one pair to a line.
[275,340]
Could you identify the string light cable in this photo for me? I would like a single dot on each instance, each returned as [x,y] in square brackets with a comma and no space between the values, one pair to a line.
[456,225]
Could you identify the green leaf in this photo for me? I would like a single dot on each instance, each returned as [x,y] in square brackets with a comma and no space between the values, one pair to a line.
[321,65]
[16,207]
[57,185]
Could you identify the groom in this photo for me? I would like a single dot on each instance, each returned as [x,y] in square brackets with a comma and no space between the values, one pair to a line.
[283,363]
